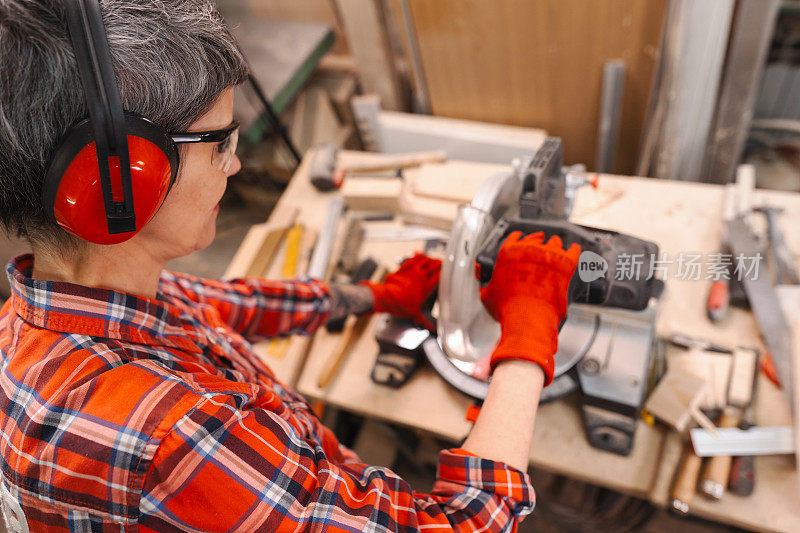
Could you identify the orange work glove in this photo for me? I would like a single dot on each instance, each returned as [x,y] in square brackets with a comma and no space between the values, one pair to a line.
[528,296]
[404,292]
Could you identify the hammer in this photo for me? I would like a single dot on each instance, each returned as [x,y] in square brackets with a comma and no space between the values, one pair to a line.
[326,175]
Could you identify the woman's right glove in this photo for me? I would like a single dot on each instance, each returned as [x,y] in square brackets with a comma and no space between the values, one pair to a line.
[528,296]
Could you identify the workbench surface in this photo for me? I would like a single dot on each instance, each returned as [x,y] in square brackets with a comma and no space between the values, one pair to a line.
[681,217]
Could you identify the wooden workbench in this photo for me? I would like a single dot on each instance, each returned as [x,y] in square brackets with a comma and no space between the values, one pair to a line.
[680,217]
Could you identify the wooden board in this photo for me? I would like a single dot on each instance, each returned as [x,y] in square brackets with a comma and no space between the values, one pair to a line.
[372,194]
[369,42]
[258,248]
[426,211]
[540,64]
[457,181]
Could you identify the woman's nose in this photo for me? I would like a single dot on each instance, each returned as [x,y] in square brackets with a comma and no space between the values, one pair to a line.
[235,166]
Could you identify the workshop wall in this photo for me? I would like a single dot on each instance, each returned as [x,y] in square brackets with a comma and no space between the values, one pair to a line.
[540,63]
[307,11]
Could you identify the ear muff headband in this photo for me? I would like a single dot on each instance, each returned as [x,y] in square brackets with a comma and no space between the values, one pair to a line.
[88,187]
[93,58]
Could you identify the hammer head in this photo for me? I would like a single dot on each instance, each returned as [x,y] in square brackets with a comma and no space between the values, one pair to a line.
[323,165]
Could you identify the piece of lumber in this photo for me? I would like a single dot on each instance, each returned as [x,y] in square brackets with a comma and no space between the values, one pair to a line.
[341,87]
[314,121]
[426,211]
[750,41]
[398,161]
[364,24]
[676,398]
[713,368]
[456,181]
[364,193]
[260,244]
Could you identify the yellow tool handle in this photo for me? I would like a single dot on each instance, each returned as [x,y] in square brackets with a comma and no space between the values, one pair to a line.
[685,486]
[718,468]
[293,238]
[278,347]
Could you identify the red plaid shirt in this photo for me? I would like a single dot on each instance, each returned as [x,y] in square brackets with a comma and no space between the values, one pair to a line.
[127,413]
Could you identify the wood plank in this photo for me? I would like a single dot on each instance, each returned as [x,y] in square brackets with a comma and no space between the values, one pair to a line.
[456,181]
[258,247]
[364,24]
[540,64]
[372,194]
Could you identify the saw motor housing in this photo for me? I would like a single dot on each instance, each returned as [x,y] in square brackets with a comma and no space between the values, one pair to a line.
[543,207]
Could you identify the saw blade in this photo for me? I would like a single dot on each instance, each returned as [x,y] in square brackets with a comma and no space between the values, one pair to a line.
[765,304]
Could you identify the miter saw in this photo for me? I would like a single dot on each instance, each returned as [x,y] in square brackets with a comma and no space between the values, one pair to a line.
[605,345]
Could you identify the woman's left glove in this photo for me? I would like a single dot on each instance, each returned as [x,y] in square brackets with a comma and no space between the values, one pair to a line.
[404,292]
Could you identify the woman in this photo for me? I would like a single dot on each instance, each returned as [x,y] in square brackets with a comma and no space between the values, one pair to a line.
[131,396]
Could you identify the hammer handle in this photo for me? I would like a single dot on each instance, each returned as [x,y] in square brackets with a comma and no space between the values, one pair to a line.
[406,161]
[715,477]
[685,486]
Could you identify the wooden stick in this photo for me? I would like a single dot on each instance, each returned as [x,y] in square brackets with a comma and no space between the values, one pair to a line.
[352,331]
[394,162]
[703,420]
[718,468]
[354,327]
[685,486]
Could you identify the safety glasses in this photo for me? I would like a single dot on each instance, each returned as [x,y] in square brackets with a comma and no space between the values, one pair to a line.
[224,140]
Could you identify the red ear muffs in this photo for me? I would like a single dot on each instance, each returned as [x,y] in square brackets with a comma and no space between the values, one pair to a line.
[72,192]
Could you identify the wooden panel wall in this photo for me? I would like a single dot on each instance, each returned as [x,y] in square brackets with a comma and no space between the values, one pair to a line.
[539,63]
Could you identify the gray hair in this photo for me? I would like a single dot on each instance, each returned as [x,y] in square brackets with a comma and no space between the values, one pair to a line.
[172,59]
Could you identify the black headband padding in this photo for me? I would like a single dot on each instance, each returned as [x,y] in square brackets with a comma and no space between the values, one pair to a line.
[93,57]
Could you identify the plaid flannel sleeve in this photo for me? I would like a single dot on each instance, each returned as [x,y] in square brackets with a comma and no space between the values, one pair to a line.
[257,308]
[226,469]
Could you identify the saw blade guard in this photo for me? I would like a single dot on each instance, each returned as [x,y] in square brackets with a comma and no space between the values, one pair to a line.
[465,329]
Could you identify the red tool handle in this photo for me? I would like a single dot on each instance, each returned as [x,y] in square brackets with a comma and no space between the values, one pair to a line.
[718,299]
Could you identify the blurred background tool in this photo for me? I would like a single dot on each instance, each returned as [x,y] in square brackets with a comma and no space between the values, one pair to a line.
[676,400]
[327,174]
[354,328]
[684,486]
[714,481]
[318,266]
[719,293]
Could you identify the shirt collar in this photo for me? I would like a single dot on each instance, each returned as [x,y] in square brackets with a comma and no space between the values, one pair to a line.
[71,308]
